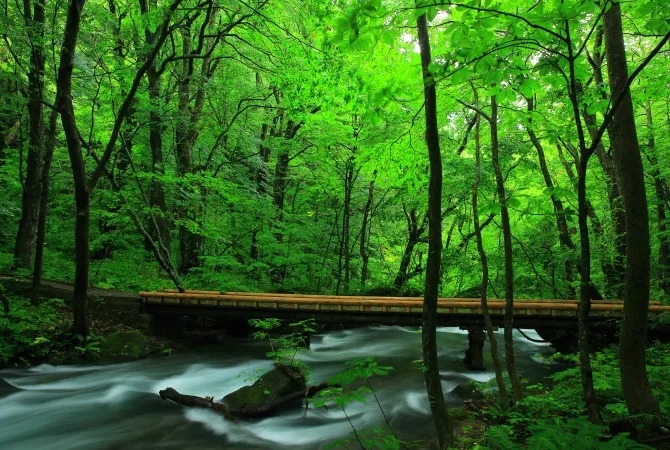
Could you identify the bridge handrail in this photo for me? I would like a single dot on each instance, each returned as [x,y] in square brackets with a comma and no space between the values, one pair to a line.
[318,296]
[367,301]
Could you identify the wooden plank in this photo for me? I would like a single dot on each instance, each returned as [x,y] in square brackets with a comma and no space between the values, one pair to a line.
[210,298]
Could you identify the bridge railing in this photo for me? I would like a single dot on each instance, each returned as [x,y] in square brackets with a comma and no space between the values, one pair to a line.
[375,304]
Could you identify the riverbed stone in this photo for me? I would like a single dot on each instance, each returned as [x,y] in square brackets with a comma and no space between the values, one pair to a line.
[278,382]
[124,346]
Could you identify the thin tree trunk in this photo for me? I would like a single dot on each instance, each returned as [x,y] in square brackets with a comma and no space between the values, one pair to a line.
[661,201]
[156,190]
[191,104]
[564,238]
[363,249]
[66,109]
[185,137]
[628,163]
[586,372]
[414,234]
[517,390]
[44,205]
[483,259]
[346,223]
[159,233]
[438,407]
[26,237]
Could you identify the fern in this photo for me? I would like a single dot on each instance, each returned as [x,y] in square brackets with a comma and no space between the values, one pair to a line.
[577,433]
[499,437]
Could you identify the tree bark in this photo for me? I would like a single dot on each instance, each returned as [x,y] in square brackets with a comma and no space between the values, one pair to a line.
[160,232]
[345,248]
[483,259]
[443,424]
[365,226]
[613,268]
[186,134]
[517,390]
[564,238]
[44,205]
[81,191]
[26,237]
[586,371]
[661,191]
[414,235]
[628,164]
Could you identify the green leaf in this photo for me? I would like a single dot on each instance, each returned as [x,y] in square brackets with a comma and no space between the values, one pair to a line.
[431,12]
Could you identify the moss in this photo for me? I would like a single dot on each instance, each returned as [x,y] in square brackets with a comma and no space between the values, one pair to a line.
[271,386]
[125,346]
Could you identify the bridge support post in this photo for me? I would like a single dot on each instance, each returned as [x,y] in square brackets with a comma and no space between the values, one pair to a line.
[474,355]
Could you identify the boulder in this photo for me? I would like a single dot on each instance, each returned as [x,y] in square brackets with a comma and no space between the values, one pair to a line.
[468,391]
[282,386]
[124,346]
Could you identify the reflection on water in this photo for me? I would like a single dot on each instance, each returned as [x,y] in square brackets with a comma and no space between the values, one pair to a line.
[118,407]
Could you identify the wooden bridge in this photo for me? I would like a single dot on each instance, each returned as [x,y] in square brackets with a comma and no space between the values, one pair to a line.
[463,312]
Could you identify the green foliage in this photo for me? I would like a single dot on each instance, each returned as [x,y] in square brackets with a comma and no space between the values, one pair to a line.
[662,320]
[577,433]
[285,346]
[30,333]
[499,437]
[552,416]
[345,388]
[89,346]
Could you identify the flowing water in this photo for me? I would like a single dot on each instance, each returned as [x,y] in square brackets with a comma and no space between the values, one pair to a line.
[118,407]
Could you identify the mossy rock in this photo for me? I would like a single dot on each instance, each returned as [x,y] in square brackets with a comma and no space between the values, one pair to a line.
[278,382]
[124,346]
[468,391]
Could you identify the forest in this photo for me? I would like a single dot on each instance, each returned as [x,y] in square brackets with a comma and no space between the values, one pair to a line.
[479,148]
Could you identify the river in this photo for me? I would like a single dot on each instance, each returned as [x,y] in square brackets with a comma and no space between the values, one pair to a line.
[118,407]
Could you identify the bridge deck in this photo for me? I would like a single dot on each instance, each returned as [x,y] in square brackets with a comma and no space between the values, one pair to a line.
[401,310]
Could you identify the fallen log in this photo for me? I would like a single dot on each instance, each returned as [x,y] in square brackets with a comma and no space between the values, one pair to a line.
[195,401]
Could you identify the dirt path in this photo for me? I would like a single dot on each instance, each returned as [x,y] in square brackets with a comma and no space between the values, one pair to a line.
[58,289]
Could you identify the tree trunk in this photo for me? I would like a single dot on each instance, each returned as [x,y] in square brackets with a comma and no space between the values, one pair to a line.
[628,163]
[585,297]
[483,259]
[185,138]
[517,392]
[346,224]
[279,185]
[443,424]
[160,232]
[661,202]
[158,225]
[365,226]
[414,234]
[586,372]
[613,268]
[44,205]
[191,104]
[564,238]
[26,237]
[590,213]
[81,191]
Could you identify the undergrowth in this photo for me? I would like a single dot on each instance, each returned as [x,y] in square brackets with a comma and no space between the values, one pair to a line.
[552,416]
[31,334]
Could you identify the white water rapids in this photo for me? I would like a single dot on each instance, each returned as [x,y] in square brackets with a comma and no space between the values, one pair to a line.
[118,407]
